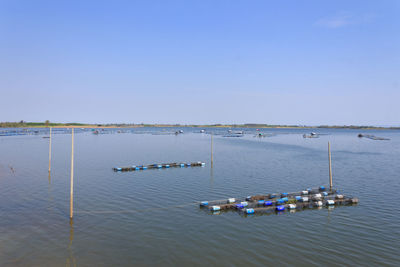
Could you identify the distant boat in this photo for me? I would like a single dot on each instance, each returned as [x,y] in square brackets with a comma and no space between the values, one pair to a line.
[311,135]
[202,131]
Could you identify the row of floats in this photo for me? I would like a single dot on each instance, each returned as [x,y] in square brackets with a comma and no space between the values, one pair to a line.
[159,166]
[310,198]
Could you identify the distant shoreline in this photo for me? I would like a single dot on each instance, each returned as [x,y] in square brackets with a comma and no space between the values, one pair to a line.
[251,126]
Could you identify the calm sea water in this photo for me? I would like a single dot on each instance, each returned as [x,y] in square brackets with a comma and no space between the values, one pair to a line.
[148,218]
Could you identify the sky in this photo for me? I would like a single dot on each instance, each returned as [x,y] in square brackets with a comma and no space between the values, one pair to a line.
[292,62]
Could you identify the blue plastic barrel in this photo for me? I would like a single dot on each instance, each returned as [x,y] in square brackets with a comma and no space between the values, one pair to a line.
[280,208]
[285,199]
[322,188]
[239,206]
[245,204]
[250,211]
[268,203]
[204,203]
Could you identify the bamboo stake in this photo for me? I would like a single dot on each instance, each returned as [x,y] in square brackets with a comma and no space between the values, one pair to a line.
[50,152]
[211,149]
[330,166]
[71,203]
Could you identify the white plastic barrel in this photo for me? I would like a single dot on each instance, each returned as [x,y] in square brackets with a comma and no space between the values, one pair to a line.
[231,200]
[215,208]
[330,202]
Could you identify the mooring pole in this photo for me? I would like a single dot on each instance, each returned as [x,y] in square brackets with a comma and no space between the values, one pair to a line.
[211,149]
[71,203]
[50,151]
[330,166]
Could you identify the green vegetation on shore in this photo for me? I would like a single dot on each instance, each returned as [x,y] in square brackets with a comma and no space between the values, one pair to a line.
[23,124]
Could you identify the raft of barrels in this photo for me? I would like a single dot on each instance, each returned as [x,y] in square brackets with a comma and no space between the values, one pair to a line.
[279,202]
[159,166]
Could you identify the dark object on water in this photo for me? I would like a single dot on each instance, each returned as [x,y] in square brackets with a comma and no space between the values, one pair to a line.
[158,166]
[311,135]
[261,135]
[233,135]
[372,137]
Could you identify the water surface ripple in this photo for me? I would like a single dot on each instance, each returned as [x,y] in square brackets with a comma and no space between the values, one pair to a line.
[149,218]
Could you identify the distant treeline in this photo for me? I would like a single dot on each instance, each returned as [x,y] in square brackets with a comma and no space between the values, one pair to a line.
[130,125]
[25,124]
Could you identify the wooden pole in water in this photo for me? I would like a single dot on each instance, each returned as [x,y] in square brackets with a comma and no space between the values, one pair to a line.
[50,151]
[211,149]
[330,166]
[71,203]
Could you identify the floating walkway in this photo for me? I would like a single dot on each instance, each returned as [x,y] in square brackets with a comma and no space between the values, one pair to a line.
[279,202]
[159,166]
[372,137]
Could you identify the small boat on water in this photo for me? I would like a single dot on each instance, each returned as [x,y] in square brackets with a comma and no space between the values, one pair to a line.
[311,135]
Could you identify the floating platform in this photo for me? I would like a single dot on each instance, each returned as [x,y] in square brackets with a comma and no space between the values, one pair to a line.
[159,166]
[372,137]
[279,202]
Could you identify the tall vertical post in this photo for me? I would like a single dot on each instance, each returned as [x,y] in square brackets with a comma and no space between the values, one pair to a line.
[50,151]
[211,149]
[330,166]
[71,203]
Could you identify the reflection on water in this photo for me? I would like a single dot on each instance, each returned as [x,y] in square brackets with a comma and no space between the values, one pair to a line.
[71,261]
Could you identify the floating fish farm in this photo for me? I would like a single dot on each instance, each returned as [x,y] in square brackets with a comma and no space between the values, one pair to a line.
[159,166]
[372,137]
[280,202]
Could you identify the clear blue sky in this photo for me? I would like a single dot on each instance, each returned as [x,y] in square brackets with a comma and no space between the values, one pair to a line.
[217,61]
